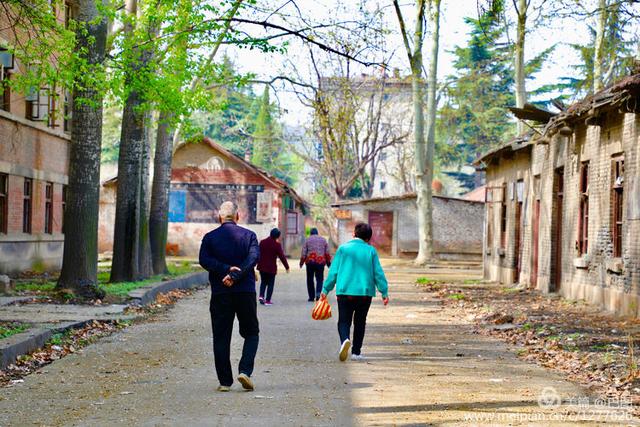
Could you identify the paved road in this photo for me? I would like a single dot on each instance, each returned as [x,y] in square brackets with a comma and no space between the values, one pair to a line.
[423,368]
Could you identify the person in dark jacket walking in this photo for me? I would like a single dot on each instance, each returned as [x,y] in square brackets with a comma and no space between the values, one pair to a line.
[315,254]
[229,253]
[270,251]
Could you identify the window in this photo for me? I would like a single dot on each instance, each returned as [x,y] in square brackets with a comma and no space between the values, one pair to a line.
[489,226]
[41,106]
[292,223]
[64,204]
[66,119]
[27,205]
[4,202]
[383,185]
[48,208]
[5,98]
[503,217]
[583,219]
[69,14]
[617,175]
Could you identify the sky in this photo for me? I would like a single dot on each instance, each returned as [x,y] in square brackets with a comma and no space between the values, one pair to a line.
[453,32]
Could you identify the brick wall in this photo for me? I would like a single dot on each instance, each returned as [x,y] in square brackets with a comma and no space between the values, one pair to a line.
[31,151]
[457,225]
[598,277]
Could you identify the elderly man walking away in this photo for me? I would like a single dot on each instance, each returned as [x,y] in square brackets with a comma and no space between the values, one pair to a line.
[315,253]
[229,253]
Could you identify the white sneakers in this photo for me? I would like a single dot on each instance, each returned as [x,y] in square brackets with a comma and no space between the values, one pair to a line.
[357,357]
[246,382]
[344,350]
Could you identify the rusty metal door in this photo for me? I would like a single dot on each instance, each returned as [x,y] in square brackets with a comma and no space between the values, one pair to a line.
[536,233]
[382,226]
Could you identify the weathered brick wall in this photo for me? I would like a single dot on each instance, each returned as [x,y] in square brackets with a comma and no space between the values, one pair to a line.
[501,262]
[594,276]
[30,150]
[201,163]
[457,225]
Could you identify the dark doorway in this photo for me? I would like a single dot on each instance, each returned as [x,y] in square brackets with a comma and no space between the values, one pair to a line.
[534,252]
[556,246]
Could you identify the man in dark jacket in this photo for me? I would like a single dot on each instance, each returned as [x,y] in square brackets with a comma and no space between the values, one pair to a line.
[270,251]
[229,253]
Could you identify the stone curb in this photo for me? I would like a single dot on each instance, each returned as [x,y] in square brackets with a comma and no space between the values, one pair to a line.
[147,294]
[25,342]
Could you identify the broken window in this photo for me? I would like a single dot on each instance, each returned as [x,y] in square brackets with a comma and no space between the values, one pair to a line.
[617,174]
[583,219]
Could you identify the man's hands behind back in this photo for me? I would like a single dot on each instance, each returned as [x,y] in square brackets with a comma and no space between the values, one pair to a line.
[228,280]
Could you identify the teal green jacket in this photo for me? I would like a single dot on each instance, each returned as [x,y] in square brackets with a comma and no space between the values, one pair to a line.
[356,270]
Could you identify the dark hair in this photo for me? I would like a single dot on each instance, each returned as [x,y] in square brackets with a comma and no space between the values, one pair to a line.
[313,231]
[275,233]
[363,231]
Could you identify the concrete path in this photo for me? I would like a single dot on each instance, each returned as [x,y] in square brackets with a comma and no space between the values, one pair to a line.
[55,313]
[422,369]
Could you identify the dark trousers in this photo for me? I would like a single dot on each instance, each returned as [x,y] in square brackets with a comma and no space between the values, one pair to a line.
[224,308]
[315,271]
[353,308]
[267,280]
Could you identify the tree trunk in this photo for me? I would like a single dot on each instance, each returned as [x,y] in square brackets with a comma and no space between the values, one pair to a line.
[521,92]
[131,247]
[598,57]
[159,216]
[80,258]
[423,185]
[432,83]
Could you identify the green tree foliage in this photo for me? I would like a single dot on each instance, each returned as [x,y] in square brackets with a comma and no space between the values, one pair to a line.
[474,116]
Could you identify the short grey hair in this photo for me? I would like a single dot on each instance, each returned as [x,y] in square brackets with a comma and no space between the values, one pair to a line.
[228,211]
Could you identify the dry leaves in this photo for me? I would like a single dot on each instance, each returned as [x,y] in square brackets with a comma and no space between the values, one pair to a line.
[587,345]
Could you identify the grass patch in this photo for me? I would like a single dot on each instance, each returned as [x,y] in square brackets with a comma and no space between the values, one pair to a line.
[35,286]
[118,290]
[471,282]
[457,296]
[11,328]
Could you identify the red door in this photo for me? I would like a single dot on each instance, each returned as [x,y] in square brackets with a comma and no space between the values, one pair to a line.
[536,232]
[382,225]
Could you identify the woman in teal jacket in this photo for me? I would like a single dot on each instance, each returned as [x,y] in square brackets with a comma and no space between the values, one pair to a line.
[356,273]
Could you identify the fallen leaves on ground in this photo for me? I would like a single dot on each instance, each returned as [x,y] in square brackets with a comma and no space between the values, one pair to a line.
[59,346]
[589,346]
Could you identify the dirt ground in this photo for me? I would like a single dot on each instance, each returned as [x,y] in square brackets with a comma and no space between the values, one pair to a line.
[423,367]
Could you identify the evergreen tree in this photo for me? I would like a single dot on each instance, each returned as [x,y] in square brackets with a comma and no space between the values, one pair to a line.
[266,147]
[475,116]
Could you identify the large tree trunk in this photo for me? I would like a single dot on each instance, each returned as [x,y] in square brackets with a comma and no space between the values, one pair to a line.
[423,184]
[598,57]
[159,216]
[80,259]
[521,92]
[131,247]
[432,82]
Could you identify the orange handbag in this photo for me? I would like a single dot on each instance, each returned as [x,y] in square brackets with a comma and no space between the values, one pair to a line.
[321,310]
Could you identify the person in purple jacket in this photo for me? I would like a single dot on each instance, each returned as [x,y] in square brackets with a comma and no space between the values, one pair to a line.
[229,253]
[270,251]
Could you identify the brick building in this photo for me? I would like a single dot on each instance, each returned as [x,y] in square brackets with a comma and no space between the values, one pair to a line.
[457,225]
[34,148]
[563,204]
[205,174]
